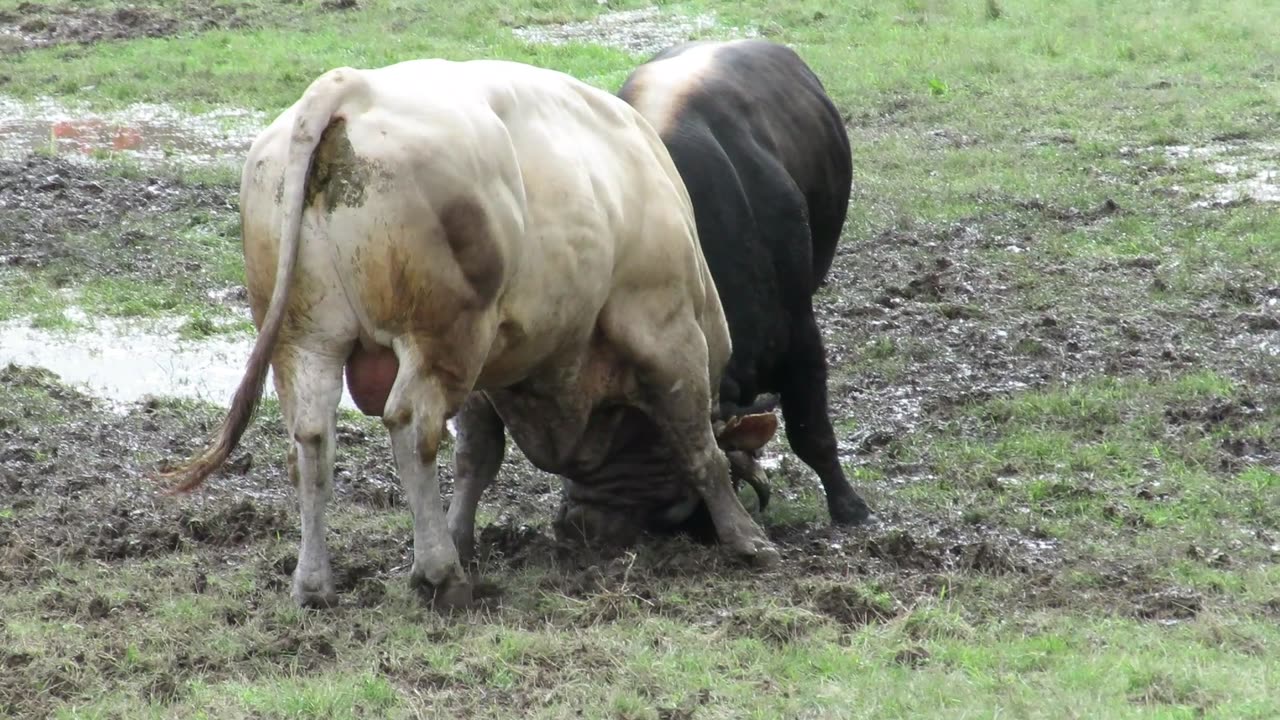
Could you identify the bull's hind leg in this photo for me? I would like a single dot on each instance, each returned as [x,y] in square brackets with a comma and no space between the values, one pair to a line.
[804,409]
[309,386]
[481,445]
[415,415]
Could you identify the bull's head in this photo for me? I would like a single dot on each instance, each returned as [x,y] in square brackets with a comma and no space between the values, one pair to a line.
[741,433]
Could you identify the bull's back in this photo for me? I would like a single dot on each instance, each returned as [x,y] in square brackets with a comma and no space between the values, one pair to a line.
[483,194]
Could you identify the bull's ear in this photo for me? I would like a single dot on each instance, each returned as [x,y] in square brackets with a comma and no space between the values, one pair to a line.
[748,433]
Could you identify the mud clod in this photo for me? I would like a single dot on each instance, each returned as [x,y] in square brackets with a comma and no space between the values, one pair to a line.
[778,625]
[914,656]
[1168,605]
[1258,322]
[241,522]
[98,607]
[162,689]
[848,604]
[516,544]
[310,650]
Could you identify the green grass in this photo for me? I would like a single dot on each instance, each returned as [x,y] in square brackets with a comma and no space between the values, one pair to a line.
[1109,449]
[265,68]
[1013,122]
[765,660]
[74,309]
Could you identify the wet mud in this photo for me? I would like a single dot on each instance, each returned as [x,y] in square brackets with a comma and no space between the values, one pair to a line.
[642,32]
[79,479]
[147,135]
[82,479]
[923,321]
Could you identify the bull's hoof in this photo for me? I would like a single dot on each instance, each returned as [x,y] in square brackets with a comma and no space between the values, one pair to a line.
[849,512]
[314,595]
[446,596]
[766,558]
[759,553]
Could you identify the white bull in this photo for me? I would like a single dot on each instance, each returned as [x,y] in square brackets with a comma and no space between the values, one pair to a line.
[438,228]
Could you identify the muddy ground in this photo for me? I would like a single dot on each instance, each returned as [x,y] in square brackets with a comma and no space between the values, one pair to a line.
[921,321]
[70,219]
[47,198]
[78,479]
[35,25]
[975,309]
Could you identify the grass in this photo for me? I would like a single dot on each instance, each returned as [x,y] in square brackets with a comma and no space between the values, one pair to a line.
[167,652]
[1130,462]
[1115,528]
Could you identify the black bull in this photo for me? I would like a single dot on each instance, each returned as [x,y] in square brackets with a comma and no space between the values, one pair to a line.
[764,155]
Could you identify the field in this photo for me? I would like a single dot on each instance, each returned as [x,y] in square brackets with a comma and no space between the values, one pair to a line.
[1053,326]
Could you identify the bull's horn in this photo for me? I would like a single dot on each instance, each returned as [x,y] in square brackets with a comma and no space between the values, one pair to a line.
[748,433]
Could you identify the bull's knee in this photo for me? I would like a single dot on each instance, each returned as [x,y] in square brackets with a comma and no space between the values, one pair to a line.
[711,467]
[398,414]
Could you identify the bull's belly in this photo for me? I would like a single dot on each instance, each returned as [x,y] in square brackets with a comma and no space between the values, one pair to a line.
[616,459]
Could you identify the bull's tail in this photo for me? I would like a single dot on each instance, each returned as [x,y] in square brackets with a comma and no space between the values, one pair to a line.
[315,111]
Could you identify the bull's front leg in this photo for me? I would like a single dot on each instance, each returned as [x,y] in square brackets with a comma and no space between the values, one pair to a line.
[675,387]
[481,445]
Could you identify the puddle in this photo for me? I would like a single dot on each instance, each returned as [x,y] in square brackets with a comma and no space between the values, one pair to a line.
[1258,186]
[147,133]
[123,362]
[770,460]
[1247,172]
[641,32]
